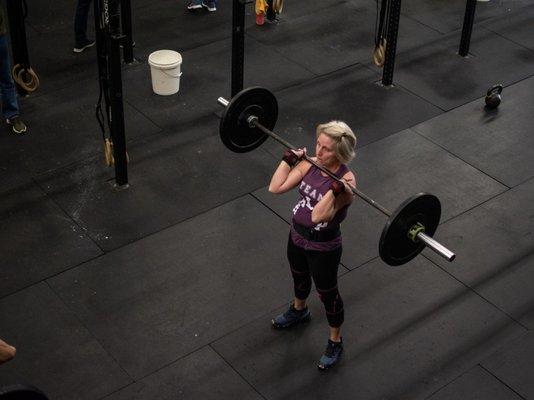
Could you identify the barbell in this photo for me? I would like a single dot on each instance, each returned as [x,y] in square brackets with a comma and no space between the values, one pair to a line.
[248,120]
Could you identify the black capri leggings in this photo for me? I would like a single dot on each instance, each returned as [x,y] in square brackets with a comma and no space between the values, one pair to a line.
[322,266]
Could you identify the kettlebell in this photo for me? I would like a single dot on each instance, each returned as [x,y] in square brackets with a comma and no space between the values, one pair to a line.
[493,96]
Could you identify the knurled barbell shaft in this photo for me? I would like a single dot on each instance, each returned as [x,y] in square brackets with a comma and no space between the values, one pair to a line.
[433,244]
[427,240]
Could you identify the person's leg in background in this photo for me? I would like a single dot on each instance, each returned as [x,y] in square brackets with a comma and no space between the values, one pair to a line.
[81,41]
[10,106]
[271,14]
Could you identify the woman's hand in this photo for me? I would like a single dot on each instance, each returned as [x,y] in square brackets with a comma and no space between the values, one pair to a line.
[292,157]
[341,186]
[349,185]
[300,152]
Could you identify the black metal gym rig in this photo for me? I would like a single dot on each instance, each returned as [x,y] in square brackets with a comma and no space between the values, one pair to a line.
[389,23]
[109,40]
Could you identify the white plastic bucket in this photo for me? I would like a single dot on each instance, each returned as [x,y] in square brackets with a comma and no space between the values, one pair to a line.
[165,71]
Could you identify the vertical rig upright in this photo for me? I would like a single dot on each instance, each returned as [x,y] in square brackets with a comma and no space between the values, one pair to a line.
[391,41]
[469,19]
[126,19]
[108,41]
[238,45]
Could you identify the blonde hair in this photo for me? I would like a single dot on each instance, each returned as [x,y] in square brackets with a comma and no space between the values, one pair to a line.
[344,138]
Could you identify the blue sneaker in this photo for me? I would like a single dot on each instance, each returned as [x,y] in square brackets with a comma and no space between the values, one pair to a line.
[331,355]
[291,317]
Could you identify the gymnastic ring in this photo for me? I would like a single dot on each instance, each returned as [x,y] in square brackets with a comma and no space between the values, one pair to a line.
[26,78]
[278,5]
[109,158]
[379,54]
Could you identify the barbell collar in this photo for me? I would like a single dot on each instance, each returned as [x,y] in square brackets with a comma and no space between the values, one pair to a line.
[436,246]
[252,121]
[223,102]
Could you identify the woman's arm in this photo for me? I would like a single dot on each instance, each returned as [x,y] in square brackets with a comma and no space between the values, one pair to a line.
[286,178]
[329,205]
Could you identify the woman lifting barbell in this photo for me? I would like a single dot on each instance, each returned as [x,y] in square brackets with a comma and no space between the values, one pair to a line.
[314,245]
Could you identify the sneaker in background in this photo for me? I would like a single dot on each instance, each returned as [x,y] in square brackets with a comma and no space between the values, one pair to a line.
[271,17]
[79,47]
[122,46]
[17,126]
[210,6]
[272,20]
[194,6]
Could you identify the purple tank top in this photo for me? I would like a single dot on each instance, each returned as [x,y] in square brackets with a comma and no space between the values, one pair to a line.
[312,188]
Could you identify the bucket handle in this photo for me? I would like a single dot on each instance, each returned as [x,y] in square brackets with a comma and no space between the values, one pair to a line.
[171,75]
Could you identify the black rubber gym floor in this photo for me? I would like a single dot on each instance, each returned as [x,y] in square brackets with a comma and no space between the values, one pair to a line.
[166,290]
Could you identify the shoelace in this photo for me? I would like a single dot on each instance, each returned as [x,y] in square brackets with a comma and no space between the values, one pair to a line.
[331,349]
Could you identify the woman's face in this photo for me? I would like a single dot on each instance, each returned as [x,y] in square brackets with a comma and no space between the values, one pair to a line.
[324,150]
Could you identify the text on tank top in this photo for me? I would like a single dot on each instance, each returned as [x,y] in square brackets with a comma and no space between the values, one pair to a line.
[312,188]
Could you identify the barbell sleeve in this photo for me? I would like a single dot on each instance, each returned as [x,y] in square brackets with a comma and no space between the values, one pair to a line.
[436,246]
[223,102]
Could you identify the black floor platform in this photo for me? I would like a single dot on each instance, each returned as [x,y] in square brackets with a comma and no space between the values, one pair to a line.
[166,290]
